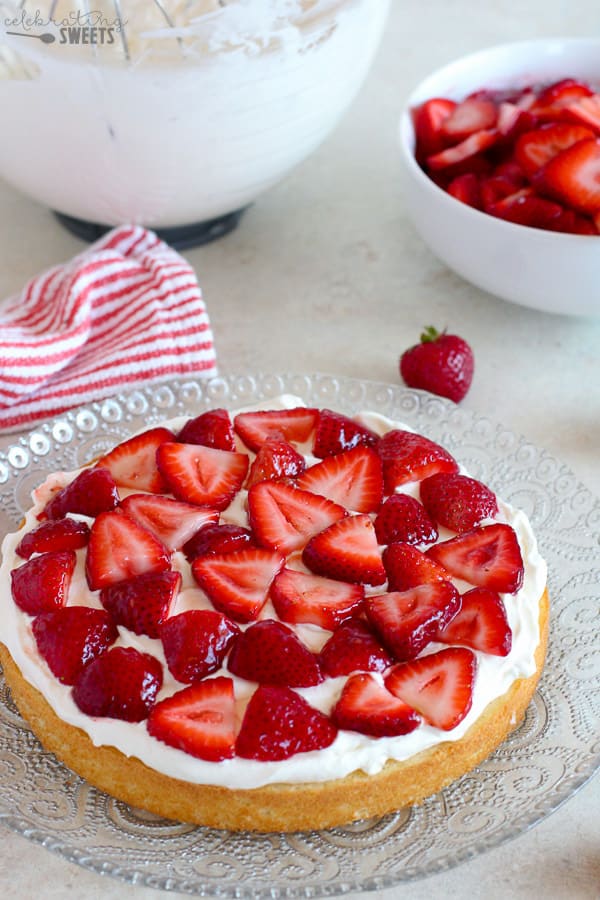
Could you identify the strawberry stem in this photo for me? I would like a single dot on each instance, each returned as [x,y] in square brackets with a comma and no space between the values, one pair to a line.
[429,334]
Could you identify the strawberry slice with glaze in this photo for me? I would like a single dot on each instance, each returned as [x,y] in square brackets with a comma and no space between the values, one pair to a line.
[92,492]
[54,535]
[439,686]
[42,584]
[525,207]
[283,517]
[275,461]
[121,683]
[211,429]
[202,475]
[72,636]
[271,653]
[407,456]
[488,556]
[353,647]
[173,522]
[473,114]
[346,551]
[369,708]
[456,501]
[586,111]
[132,463]
[225,538]
[573,176]
[466,150]
[402,518]
[142,603]
[196,642]
[292,425]
[238,583]
[200,720]
[535,148]
[300,597]
[407,621]
[408,567]
[481,624]
[352,478]
[278,723]
[120,549]
[336,433]
[428,120]
[467,189]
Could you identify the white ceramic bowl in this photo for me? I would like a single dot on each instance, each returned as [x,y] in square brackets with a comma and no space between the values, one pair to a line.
[173,139]
[554,272]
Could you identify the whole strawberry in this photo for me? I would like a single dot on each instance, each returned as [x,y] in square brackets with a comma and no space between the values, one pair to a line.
[442,364]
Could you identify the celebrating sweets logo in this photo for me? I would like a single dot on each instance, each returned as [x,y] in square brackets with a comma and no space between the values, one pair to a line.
[78,27]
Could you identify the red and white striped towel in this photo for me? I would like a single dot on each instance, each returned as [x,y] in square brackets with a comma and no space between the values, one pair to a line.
[126,312]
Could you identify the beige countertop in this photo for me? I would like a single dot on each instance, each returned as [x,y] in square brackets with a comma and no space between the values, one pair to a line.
[325,273]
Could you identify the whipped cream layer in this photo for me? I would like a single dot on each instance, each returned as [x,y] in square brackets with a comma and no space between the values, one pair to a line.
[350,751]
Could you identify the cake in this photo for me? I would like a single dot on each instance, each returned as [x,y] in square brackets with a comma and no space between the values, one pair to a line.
[276,620]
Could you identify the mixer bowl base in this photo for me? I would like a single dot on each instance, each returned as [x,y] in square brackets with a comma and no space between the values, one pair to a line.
[180,237]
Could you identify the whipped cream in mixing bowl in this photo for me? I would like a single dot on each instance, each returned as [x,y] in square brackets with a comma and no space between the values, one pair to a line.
[173,124]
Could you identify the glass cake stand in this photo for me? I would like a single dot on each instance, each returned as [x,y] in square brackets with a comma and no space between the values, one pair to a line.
[552,754]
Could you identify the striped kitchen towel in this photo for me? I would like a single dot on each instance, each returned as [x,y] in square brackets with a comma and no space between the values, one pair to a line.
[126,312]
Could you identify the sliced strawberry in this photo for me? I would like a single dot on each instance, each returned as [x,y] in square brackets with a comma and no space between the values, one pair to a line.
[467,149]
[142,603]
[54,535]
[121,683]
[278,723]
[346,551]
[407,621]
[283,517]
[402,518]
[93,491]
[407,456]
[275,461]
[525,207]
[511,169]
[120,549]
[299,598]
[269,652]
[513,121]
[407,567]
[456,501]
[556,97]
[173,522]
[573,176]
[439,686]
[428,120]
[473,114]
[196,642]
[132,463]
[351,648]
[72,636]
[353,479]
[488,556]
[218,539]
[292,425]
[42,584]
[200,720]
[586,111]
[535,148]
[481,624]
[211,429]
[467,189]
[336,433]
[496,188]
[202,475]
[238,583]
[369,708]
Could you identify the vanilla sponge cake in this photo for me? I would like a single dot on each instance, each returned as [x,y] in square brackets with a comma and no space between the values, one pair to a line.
[282,619]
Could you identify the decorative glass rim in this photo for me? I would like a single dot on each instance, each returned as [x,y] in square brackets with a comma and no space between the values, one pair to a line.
[543,763]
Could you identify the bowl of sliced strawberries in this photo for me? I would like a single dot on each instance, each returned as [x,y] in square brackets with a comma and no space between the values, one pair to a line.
[501,159]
